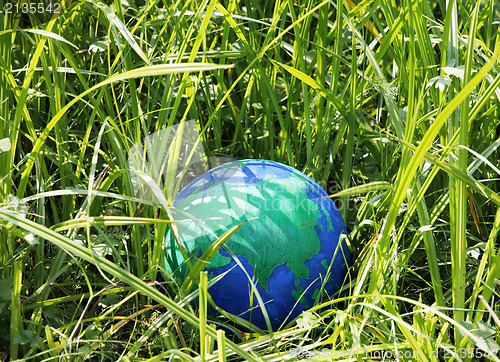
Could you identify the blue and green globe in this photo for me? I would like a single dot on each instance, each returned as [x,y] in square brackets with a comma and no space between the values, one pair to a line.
[290,248]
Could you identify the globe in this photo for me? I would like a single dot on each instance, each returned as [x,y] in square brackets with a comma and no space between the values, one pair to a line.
[289,250]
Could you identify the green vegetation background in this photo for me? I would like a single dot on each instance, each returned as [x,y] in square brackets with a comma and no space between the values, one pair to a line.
[392,106]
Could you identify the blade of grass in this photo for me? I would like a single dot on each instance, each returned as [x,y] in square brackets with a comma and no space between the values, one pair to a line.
[221,345]
[16,322]
[203,314]
[117,23]
[489,269]
[457,191]
[205,258]
[351,129]
[361,189]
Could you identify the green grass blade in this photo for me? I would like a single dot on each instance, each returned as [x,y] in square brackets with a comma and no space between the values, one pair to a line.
[361,189]
[203,261]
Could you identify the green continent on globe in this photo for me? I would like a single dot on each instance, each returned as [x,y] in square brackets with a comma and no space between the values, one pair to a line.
[284,212]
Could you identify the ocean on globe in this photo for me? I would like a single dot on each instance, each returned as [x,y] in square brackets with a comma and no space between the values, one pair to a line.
[290,246]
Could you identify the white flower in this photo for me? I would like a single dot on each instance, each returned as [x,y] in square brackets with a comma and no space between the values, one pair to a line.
[307,320]
[441,82]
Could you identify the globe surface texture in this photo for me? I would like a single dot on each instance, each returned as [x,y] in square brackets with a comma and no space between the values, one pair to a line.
[289,245]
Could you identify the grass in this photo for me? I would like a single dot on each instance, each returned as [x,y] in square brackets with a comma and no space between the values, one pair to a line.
[393,108]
